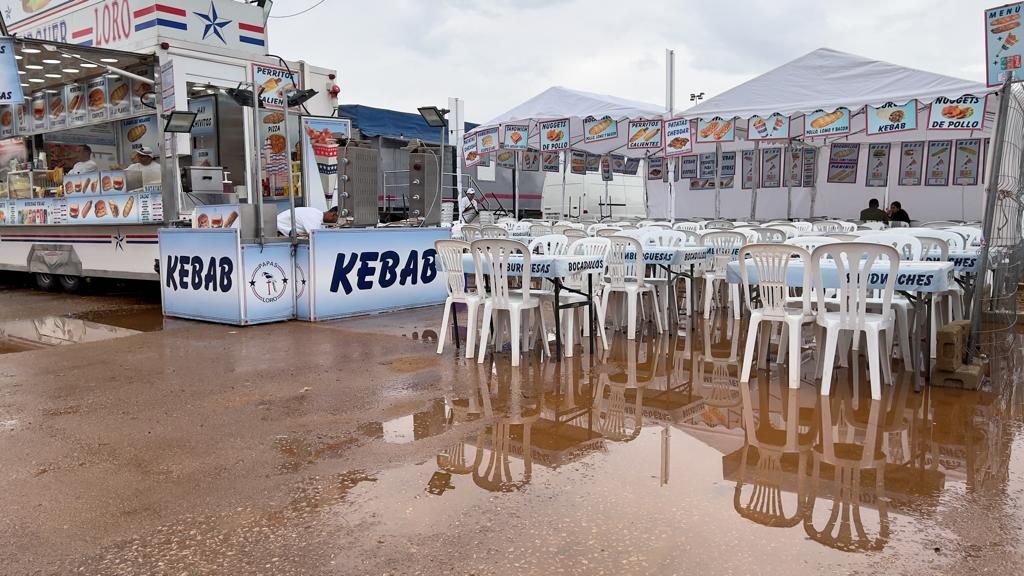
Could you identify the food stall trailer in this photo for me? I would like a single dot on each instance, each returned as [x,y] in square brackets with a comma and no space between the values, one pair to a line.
[196,56]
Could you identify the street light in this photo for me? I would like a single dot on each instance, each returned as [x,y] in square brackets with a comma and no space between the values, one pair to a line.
[433,115]
[696,97]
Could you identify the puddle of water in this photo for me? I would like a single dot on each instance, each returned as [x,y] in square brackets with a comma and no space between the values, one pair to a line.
[46,331]
[726,476]
[148,319]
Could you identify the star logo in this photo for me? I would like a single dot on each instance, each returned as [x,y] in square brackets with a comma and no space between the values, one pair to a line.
[212,24]
[118,241]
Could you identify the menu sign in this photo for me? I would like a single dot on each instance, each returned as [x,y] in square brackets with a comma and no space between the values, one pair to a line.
[728,164]
[747,165]
[597,129]
[618,164]
[39,112]
[77,113]
[578,162]
[531,161]
[708,164]
[96,99]
[120,97]
[644,135]
[774,127]
[470,157]
[1002,51]
[771,167]
[273,84]
[606,168]
[911,163]
[21,115]
[878,165]
[688,167]
[204,132]
[963,113]
[549,162]
[842,163]
[938,163]
[593,162]
[968,159]
[554,135]
[516,136]
[506,159]
[140,90]
[810,169]
[7,123]
[821,123]
[10,82]
[632,166]
[656,169]
[793,166]
[56,107]
[716,130]
[139,132]
[892,118]
[487,140]
[678,140]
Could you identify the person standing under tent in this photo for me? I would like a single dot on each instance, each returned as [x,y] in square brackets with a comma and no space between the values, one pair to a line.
[873,213]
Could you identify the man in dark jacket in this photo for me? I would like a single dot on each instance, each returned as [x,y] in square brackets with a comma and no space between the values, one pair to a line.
[873,213]
[898,214]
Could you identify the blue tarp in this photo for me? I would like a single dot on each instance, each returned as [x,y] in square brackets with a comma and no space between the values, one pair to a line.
[391,123]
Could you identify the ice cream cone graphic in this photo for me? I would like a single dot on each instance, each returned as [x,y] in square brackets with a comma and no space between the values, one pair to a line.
[326,157]
[759,125]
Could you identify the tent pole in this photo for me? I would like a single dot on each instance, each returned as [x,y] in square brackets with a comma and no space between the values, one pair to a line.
[670,97]
[718,180]
[757,176]
[789,181]
[515,184]
[814,188]
[564,167]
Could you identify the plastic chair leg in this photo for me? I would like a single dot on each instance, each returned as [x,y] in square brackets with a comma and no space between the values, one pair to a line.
[794,353]
[443,331]
[471,327]
[515,319]
[831,343]
[709,289]
[657,313]
[748,352]
[631,312]
[874,366]
[485,332]
[734,293]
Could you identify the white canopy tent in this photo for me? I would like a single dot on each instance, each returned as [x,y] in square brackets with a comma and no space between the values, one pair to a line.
[826,79]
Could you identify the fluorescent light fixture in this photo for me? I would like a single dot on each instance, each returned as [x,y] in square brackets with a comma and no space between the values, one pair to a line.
[88,65]
[30,50]
[21,71]
[109,60]
[25,85]
[70,70]
[50,61]
[433,116]
[18,56]
[36,80]
[33,67]
[52,75]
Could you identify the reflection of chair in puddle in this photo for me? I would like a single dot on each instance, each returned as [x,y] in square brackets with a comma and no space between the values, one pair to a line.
[508,435]
[765,504]
[849,458]
[616,419]
[721,386]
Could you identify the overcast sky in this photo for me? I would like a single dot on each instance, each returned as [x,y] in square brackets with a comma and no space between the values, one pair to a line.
[401,54]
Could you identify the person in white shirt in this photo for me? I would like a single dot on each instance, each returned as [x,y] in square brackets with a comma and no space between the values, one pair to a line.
[306,219]
[144,163]
[85,164]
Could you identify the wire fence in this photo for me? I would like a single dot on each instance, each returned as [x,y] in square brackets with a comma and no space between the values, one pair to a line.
[995,299]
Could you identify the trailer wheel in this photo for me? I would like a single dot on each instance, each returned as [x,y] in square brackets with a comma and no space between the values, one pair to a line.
[45,281]
[71,283]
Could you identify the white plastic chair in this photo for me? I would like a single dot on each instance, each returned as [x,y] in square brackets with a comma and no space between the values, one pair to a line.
[538,230]
[770,235]
[491,259]
[507,223]
[719,225]
[591,248]
[873,225]
[771,263]
[522,228]
[723,244]
[663,225]
[607,231]
[626,276]
[450,253]
[908,246]
[803,227]
[657,276]
[470,232]
[809,243]
[574,235]
[687,226]
[791,231]
[491,231]
[955,240]
[823,226]
[970,233]
[550,244]
[854,262]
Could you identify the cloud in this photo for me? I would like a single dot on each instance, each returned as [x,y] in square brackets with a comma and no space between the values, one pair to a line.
[406,53]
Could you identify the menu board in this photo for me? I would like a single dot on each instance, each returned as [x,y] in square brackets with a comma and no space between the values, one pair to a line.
[531,161]
[606,168]
[139,90]
[938,163]
[119,94]
[7,208]
[23,115]
[656,169]
[597,129]
[842,163]
[487,140]
[7,124]
[618,164]
[506,159]
[810,166]
[728,164]
[967,161]
[688,167]
[878,165]
[56,106]
[771,167]
[578,162]
[139,132]
[889,118]
[821,123]
[217,216]
[549,162]
[747,165]
[96,99]
[554,135]
[963,113]
[644,135]
[204,130]
[911,163]
[470,157]
[716,130]
[273,83]
[678,140]
[593,162]
[1003,53]
[516,136]
[632,166]
[39,112]
[78,113]
[130,208]
[708,164]
[774,127]
[709,183]
[791,166]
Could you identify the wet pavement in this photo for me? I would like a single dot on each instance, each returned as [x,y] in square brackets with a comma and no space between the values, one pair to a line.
[351,447]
